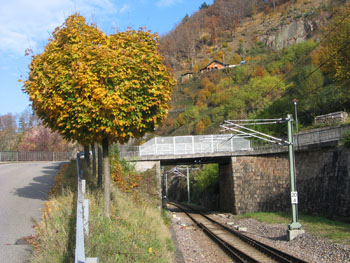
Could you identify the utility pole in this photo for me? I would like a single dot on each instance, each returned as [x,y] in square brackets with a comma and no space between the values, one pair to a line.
[293,191]
[188,185]
[294,229]
[177,172]
[166,185]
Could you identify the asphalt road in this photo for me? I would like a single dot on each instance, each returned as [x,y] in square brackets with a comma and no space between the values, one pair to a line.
[23,190]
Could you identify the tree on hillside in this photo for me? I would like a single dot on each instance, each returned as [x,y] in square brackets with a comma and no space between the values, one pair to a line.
[204,6]
[335,53]
[231,12]
[91,87]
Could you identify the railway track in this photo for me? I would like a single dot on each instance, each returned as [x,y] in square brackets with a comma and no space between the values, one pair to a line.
[238,246]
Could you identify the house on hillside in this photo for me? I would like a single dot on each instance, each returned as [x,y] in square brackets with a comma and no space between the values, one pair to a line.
[186,76]
[214,65]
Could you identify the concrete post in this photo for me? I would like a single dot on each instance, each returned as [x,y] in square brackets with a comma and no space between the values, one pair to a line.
[155,146]
[192,144]
[159,183]
[212,143]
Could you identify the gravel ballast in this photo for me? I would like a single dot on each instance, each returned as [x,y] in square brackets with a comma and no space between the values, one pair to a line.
[197,247]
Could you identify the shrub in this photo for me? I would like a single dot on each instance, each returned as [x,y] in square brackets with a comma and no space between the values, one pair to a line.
[345,140]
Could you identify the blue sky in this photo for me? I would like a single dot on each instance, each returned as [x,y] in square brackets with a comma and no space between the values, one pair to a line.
[28,24]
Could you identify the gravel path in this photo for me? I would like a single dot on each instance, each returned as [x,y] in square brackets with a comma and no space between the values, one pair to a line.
[196,247]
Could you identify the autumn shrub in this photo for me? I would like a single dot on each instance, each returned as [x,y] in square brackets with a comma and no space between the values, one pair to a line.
[258,72]
[200,127]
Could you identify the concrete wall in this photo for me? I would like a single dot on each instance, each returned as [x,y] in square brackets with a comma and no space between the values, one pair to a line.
[262,183]
[145,165]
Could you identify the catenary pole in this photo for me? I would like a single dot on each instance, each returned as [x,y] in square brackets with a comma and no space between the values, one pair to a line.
[294,194]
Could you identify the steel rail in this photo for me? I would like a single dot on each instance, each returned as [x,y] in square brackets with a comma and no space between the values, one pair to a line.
[269,251]
[233,252]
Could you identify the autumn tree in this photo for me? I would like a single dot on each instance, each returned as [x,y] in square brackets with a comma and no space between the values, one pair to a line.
[91,87]
[8,136]
[334,53]
[41,138]
[27,120]
[231,13]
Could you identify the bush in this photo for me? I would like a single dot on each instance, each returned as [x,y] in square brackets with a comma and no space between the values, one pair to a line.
[206,185]
[345,140]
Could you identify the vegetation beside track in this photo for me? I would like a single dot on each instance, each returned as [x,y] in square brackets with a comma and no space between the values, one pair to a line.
[135,232]
[332,229]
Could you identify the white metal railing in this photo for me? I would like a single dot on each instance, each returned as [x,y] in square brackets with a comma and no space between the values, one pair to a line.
[19,156]
[179,145]
[82,218]
[193,144]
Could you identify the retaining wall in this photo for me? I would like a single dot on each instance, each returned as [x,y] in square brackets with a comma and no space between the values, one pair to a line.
[262,183]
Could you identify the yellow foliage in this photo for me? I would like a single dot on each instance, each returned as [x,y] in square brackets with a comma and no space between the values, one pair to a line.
[89,86]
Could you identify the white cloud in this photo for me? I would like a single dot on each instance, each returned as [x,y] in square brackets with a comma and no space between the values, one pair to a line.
[124,8]
[27,24]
[165,3]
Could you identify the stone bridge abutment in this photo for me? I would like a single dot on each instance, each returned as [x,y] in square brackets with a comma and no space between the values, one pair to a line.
[255,183]
[262,182]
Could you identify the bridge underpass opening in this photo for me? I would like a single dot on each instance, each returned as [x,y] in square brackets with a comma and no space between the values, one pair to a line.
[198,184]
[206,174]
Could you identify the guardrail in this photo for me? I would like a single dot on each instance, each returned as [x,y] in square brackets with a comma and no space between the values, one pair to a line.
[18,156]
[82,219]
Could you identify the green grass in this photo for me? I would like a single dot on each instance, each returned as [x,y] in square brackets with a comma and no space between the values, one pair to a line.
[335,230]
[135,231]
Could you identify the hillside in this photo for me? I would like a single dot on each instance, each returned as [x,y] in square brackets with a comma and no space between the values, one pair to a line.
[278,42]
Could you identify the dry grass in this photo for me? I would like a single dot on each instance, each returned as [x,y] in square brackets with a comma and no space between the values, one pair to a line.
[54,238]
[135,232]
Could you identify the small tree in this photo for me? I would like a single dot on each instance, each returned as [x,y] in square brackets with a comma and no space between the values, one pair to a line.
[91,87]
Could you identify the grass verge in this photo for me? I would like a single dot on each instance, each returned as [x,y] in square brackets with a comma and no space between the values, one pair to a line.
[135,232]
[335,230]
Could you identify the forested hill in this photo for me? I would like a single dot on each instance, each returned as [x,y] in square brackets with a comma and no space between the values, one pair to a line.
[280,43]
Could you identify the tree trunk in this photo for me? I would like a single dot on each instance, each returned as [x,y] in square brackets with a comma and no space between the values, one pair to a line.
[99,166]
[87,155]
[107,177]
[93,160]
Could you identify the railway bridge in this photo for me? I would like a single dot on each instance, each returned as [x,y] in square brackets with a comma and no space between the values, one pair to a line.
[256,178]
